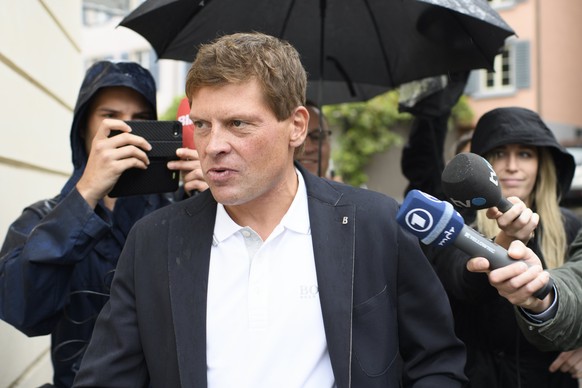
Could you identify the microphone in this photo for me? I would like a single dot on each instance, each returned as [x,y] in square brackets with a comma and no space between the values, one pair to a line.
[469,181]
[437,223]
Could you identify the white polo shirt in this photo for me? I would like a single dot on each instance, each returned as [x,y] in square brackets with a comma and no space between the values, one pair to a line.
[264,322]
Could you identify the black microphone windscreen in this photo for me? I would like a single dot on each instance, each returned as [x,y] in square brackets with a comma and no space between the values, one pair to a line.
[469,181]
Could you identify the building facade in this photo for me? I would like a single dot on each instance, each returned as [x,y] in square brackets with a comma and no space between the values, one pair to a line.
[539,69]
[40,72]
[104,39]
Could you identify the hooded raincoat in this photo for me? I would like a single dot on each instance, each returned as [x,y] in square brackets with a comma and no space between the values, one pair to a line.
[58,258]
[498,355]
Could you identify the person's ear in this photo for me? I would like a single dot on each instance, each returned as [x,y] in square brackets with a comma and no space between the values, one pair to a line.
[300,121]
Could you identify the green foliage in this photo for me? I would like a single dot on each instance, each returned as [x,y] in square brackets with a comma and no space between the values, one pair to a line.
[365,130]
[170,113]
[462,115]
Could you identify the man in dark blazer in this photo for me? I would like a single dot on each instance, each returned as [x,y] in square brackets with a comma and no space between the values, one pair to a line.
[273,277]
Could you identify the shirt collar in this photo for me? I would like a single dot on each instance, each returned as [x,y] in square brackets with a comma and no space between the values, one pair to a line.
[296,218]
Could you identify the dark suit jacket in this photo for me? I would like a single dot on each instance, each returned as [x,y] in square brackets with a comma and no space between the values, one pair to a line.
[386,316]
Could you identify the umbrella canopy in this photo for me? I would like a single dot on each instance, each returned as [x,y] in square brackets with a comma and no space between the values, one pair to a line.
[352,50]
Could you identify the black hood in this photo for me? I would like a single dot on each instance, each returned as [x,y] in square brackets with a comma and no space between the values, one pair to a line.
[101,75]
[513,125]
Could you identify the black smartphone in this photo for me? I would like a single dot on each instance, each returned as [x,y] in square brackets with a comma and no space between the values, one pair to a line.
[165,137]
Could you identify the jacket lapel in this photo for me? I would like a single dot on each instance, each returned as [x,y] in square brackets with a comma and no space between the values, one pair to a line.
[188,277]
[333,234]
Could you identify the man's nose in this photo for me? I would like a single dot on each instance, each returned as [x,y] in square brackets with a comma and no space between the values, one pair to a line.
[217,141]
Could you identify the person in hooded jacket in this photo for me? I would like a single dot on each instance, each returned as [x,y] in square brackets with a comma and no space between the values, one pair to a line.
[58,257]
[534,170]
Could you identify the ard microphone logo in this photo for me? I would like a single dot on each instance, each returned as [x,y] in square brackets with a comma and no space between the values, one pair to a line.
[419,220]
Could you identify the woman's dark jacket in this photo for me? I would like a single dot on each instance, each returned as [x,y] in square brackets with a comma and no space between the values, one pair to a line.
[498,355]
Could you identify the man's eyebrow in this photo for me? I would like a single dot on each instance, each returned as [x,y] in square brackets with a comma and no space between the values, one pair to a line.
[243,116]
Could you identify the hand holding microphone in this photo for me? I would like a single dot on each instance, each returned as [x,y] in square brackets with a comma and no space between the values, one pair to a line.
[436,223]
[469,181]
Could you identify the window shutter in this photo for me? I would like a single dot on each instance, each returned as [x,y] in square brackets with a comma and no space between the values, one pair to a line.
[522,64]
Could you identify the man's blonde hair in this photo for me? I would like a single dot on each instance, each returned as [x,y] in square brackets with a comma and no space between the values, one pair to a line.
[241,57]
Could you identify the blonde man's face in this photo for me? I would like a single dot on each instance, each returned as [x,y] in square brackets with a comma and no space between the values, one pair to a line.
[246,154]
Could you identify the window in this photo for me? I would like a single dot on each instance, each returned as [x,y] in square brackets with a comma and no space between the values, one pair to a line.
[141,57]
[501,78]
[99,12]
[511,72]
[146,58]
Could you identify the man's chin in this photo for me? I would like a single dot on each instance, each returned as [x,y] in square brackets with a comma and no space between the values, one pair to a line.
[225,195]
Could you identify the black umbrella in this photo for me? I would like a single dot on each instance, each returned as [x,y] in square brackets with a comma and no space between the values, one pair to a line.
[353,49]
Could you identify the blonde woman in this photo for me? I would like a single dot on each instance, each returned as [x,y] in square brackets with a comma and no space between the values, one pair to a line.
[534,167]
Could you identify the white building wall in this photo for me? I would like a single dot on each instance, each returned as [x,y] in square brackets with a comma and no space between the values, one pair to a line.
[40,73]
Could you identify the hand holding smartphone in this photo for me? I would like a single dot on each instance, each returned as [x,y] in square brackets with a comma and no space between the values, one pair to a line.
[165,138]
